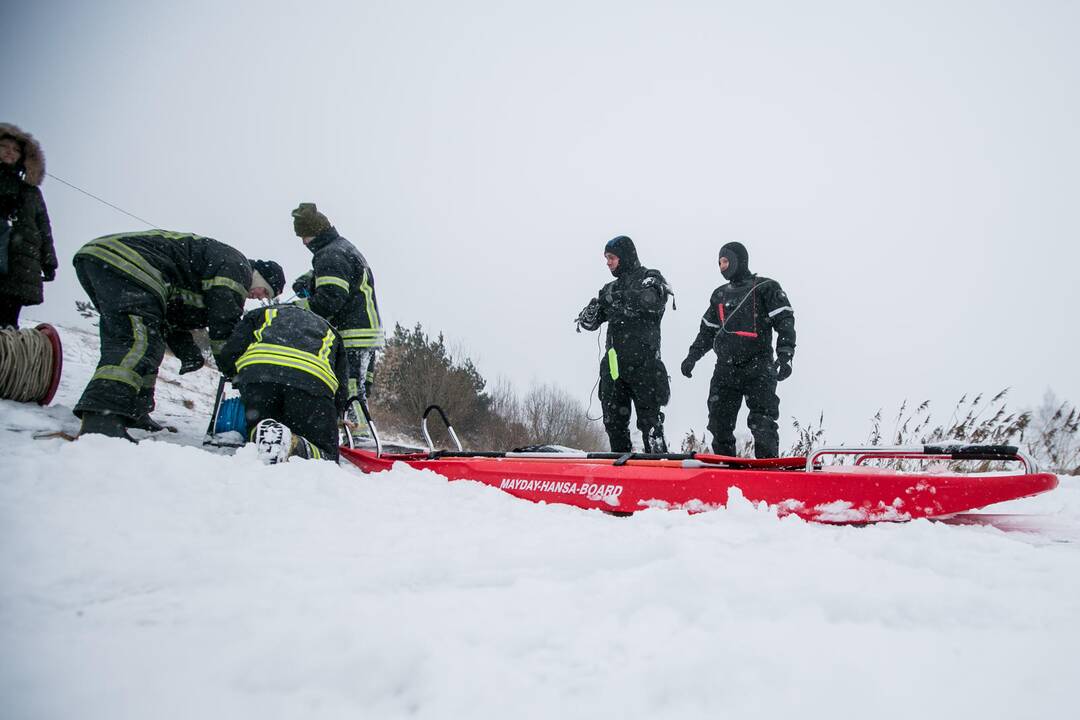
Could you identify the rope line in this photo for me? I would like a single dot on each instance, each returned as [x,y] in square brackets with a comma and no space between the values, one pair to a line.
[25,364]
[105,202]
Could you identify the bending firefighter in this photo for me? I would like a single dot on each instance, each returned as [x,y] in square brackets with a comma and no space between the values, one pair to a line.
[631,371]
[738,325]
[132,279]
[341,289]
[291,369]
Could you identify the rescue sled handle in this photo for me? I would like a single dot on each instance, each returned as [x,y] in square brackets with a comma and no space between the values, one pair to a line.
[371,424]
[953,452]
[449,428]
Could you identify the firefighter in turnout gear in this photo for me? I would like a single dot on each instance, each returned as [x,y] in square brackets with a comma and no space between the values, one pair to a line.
[631,371]
[132,279]
[738,325]
[291,368]
[341,289]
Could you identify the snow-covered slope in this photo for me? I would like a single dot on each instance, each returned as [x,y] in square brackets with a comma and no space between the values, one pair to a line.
[165,581]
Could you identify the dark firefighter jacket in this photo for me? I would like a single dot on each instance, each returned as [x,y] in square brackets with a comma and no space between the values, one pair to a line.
[291,346]
[209,277]
[342,290]
[740,319]
[632,305]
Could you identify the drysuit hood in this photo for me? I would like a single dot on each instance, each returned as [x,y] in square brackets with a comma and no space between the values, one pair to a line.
[738,261]
[623,248]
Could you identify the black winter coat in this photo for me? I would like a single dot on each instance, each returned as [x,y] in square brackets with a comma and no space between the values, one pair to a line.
[31,253]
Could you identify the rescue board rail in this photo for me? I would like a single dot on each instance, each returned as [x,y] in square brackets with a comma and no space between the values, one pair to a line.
[923,452]
[371,425]
[449,428]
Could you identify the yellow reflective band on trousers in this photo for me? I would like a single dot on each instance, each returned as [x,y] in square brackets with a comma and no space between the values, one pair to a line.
[125,371]
[261,353]
[120,256]
[363,337]
[613,363]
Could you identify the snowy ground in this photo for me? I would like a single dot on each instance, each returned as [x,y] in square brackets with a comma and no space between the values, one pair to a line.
[164,581]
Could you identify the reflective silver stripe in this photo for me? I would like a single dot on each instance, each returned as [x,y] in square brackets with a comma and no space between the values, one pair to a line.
[706,322]
[777,311]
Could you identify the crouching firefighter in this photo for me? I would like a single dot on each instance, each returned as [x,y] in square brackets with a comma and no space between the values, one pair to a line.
[738,325]
[291,368]
[132,279]
[341,289]
[632,370]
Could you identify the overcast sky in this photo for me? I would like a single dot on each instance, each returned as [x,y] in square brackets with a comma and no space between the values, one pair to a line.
[908,171]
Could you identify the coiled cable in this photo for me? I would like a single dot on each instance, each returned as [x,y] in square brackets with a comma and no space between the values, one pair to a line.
[26,364]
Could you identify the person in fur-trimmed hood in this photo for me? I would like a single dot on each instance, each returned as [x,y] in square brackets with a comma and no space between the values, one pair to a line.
[31,257]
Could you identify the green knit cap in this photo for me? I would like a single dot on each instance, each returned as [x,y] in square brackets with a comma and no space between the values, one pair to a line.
[308,221]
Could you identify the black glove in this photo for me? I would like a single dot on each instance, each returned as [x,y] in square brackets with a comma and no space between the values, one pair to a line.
[587,318]
[302,285]
[191,364]
[48,274]
[783,367]
[687,367]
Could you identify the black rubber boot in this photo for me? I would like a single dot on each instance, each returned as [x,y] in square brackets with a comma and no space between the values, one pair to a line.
[146,423]
[108,424]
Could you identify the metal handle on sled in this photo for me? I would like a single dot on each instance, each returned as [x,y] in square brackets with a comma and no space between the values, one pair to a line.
[370,422]
[953,452]
[449,428]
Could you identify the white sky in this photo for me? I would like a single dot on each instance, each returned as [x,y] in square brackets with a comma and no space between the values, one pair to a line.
[907,170]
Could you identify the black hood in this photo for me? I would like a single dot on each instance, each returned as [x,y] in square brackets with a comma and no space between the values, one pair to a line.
[623,248]
[738,261]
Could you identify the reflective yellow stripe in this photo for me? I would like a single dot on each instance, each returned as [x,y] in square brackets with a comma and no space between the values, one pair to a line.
[302,303]
[316,454]
[327,343]
[268,317]
[166,234]
[139,343]
[142,272]
[369,300]
[119,374]
[271,354]
[331,280]
[220,281]
[188,297]
[363,337]
[613,363]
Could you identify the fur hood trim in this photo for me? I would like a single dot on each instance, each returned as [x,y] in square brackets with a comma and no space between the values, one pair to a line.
[33,157]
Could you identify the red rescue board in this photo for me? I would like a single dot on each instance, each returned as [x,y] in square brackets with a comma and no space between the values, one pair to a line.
[843,494]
